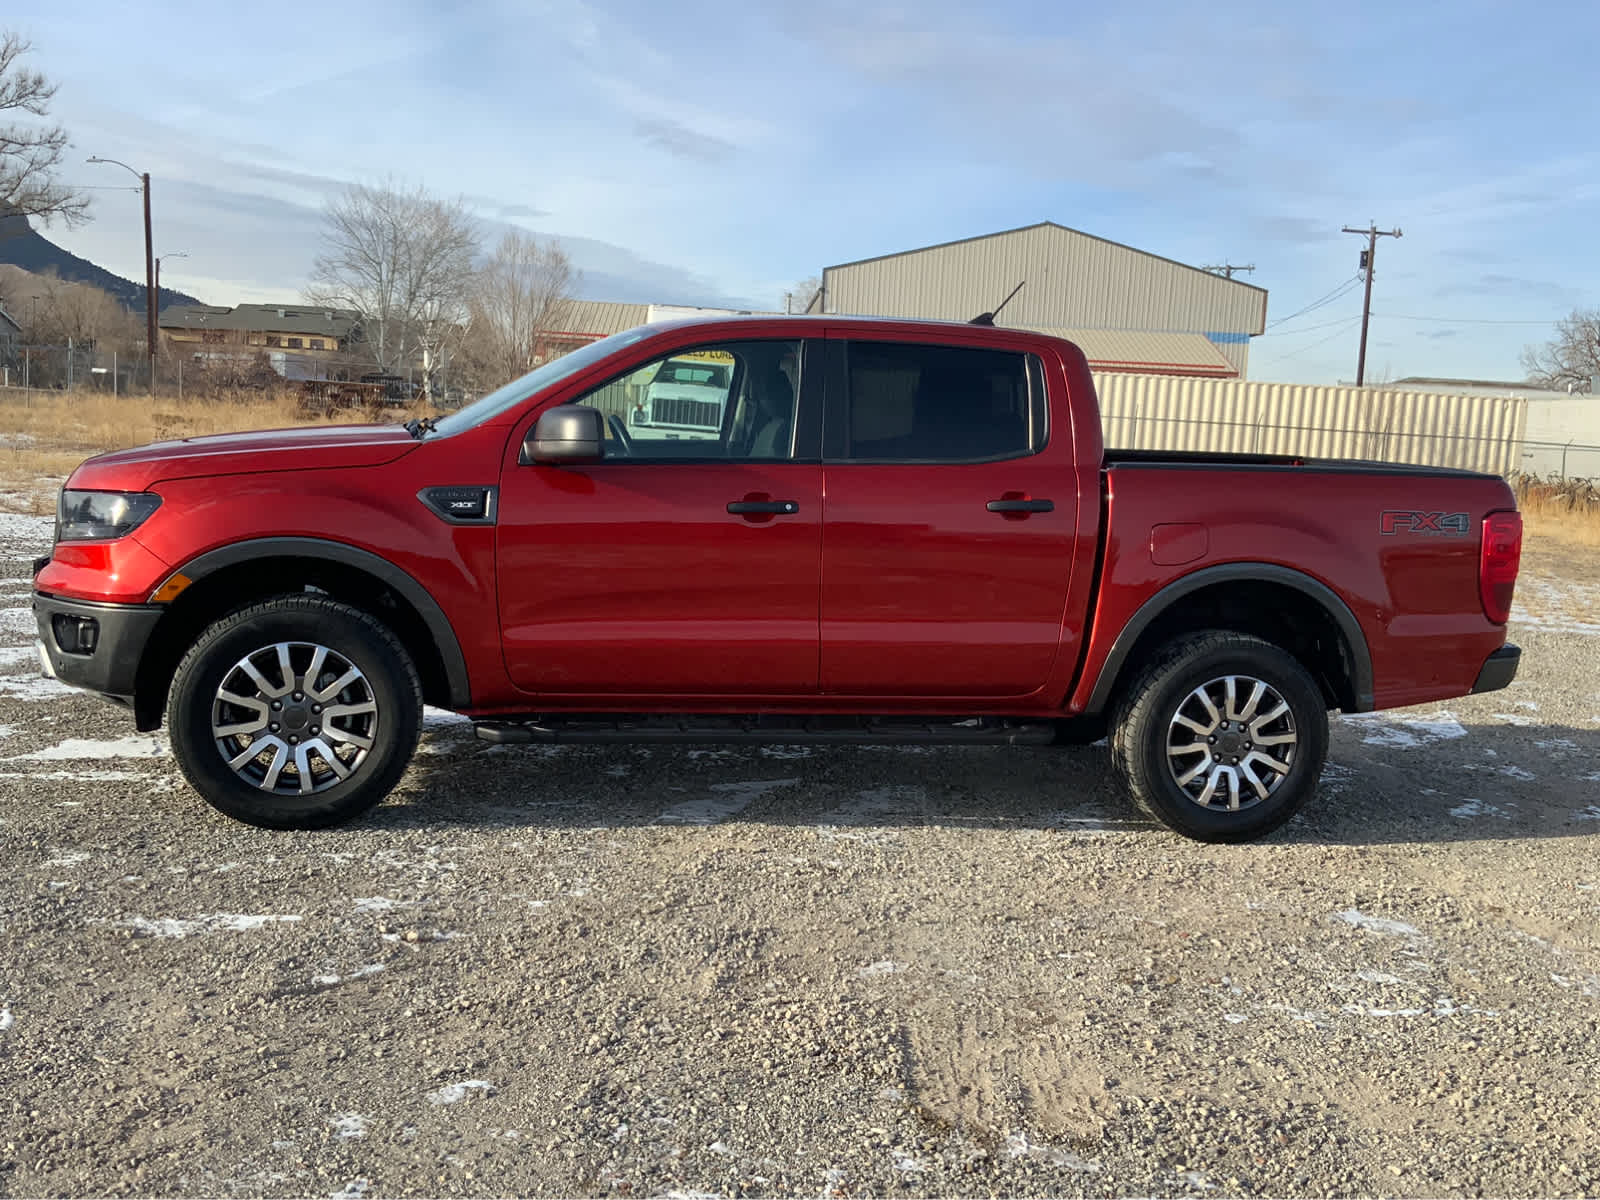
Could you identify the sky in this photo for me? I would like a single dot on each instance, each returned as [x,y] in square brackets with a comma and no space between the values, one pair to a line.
[717,153]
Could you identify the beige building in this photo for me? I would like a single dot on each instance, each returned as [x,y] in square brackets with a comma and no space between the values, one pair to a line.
[300,340]
[1130,311]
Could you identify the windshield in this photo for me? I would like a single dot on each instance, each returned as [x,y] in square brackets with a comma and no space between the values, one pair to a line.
[537,380]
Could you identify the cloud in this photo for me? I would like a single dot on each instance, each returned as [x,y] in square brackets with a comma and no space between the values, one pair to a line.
[680,141]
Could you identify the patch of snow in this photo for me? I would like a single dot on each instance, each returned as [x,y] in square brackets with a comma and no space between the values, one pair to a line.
[1379,977]
[349,1125]
[1387,729]
[353,1190]
[727,800]
[880,968]
[1361,920]
[457,1092]
[1306,1015]
[1592,813]
[72,859]
[1235,1018]
[34,688]
[784,752]
[1477,808]
[90,776]
[330,979]
[442,718]
[74,749]
[1018,1146]
[20,620]
[381,904]
[873,804]
[906,1164]
[169,927]
[6,1019]
[1589,985]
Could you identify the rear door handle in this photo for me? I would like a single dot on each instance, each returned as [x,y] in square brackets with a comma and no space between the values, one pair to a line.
[1022,506]
[780,507]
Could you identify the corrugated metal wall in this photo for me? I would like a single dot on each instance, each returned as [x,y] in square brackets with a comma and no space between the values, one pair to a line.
[1232,416]
[1073,280]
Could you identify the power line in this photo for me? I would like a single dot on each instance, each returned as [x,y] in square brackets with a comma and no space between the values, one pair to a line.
[1316,304]
[1461,320]
[1305,329]
[1344,325]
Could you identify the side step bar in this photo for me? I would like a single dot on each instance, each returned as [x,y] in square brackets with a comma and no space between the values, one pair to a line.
[775,729]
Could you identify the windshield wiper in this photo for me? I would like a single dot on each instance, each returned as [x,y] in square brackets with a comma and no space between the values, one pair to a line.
[420,427]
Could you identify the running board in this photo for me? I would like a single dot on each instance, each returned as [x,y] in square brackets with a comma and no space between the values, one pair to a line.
[772,729]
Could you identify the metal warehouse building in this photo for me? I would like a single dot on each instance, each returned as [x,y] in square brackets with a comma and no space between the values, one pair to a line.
[1129,310]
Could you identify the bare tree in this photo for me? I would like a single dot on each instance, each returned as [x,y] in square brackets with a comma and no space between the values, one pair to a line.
[521,294]
[30,153]
[804,297]
[1572,359]
[403,260]
[81,313]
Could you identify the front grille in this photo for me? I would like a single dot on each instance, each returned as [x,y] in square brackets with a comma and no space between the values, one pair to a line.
[678,410]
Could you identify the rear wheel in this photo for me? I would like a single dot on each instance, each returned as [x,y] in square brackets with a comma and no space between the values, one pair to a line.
[296,713]
[1222,737]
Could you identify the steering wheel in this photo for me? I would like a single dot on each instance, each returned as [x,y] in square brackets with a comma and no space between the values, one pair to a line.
[624,438]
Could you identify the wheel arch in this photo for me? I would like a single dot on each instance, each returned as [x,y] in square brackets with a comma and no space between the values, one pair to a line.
[1287,607]
[230,577]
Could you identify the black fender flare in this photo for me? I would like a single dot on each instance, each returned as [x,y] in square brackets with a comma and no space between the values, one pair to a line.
[414,594]
[1329,600]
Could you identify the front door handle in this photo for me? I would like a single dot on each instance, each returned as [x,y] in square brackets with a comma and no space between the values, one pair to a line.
[1022,506]
[778,507]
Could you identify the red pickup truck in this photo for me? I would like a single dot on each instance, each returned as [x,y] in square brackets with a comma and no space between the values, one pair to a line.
[902,531]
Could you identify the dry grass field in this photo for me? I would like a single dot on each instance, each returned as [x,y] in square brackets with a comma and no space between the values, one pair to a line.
[45,434]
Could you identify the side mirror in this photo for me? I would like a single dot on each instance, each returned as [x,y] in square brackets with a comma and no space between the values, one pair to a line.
[569,433]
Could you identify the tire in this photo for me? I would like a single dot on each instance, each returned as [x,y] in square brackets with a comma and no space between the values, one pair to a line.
[1188,758]
[350,746]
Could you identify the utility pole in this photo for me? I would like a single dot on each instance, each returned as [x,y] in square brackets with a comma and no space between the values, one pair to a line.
[1226,270]
[149,266]
[1372,233]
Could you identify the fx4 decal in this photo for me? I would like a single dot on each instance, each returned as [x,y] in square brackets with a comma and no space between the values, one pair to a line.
[1433,524]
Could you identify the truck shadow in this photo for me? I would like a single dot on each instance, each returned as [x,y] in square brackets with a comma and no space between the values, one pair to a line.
[1388,781]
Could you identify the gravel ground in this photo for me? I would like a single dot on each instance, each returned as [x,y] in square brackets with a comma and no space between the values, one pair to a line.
[835,972]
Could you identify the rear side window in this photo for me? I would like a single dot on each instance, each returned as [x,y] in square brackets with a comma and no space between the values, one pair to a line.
[918,403]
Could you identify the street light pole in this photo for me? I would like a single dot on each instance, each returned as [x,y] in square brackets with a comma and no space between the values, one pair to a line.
[174,254]
[149,267]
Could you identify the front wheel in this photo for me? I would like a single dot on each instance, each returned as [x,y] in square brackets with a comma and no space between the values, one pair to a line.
[295,713]
[1222,737]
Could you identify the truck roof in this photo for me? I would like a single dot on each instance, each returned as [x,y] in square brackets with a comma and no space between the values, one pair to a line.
[876,324]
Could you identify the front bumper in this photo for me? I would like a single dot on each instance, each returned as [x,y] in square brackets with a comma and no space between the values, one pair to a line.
[106,662]
[1499,669]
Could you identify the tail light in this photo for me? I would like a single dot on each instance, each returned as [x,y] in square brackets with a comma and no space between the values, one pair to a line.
[1498,559]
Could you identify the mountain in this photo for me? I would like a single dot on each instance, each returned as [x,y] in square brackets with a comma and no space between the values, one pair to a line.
[22,247]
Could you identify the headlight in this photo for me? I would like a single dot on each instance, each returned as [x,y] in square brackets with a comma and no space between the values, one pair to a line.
[85,515]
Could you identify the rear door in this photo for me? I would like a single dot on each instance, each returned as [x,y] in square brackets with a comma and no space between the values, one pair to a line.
[949,526]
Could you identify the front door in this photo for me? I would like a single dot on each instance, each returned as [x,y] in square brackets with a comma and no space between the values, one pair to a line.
[686,561]
[949,530]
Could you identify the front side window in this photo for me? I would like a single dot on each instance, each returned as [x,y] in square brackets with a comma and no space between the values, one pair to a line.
[735,400]
[920,403]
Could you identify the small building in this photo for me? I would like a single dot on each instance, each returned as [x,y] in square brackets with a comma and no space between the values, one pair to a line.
[10,332]
[301,341]
[1131,311]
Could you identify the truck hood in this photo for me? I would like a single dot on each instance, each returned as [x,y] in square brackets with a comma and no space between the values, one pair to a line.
[309,448]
